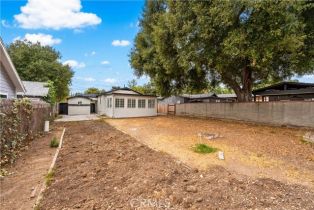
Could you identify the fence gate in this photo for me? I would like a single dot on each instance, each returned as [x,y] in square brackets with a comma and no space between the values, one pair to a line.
[171,109]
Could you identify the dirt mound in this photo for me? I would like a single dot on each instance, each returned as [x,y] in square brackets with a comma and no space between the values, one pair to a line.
[99,167]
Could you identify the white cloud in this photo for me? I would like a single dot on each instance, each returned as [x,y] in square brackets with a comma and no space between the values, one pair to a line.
[110,80]
[5,24]
[89,79]
[43,39]
[105,62]
[90,54]
[120,43]
[55,14]
[74,64]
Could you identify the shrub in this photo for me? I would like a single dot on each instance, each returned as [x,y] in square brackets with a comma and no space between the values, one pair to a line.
[203,148]
[54,142]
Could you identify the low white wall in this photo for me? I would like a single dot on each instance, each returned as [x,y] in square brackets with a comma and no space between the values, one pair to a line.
[297,113]
[78,110]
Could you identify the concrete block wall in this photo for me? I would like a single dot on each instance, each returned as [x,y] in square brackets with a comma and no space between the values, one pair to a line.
[296,113]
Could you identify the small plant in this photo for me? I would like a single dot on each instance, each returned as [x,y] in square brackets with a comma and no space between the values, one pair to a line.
[54,142]
[203,148]
[49,177]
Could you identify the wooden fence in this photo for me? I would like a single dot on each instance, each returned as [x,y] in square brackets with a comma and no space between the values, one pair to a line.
[20,121]
[166,109]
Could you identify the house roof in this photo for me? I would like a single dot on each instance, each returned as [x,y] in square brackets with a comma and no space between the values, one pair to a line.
[199,96]
[38,89]
[125,91]
[300,91]
[229,95]
[80,96]
[10,69]
[283,86]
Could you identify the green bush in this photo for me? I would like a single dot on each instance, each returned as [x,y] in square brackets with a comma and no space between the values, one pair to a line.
[54,142]
[203,148]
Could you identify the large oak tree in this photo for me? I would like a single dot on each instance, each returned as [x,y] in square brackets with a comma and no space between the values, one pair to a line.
[189,44]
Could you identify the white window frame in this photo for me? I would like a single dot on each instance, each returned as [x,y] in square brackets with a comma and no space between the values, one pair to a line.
[140,105]
[109,102]
[131,103]
[119,103]
[151,103]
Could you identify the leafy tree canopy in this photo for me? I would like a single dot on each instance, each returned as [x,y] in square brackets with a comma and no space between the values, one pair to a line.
[192,44]
[34,62]
[93,90]
[147,88]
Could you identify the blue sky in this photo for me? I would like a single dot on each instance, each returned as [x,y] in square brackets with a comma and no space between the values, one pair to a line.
[93,36]
[97,44]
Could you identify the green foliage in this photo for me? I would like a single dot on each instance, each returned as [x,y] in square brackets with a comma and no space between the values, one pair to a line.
[11,127]
[93,90]
[54,142]
[204,149]
[34,62]
[49,177]
[188,45]
[52,95]
[147,88]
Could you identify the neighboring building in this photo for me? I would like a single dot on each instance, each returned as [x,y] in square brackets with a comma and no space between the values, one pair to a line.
[10,82]
[285,91]
[80,105]
[229,97]
[34,90]
[190,98]
[125,102]
[174,100]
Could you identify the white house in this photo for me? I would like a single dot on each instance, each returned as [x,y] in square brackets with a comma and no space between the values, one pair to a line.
[125,102]
[10,82]
[79,105]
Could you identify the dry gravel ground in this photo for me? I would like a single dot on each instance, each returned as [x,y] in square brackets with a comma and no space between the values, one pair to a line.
[99,167]
[259,151]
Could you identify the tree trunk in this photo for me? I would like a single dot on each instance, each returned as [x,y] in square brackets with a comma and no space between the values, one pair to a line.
[244,94]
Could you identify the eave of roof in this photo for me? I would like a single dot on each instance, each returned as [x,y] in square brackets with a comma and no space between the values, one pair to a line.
[12,74]
[287,92]
[301,84]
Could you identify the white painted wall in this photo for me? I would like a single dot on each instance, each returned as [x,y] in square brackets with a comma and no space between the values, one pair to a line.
[125,112]
[102,106]
[6,85]
[74,108]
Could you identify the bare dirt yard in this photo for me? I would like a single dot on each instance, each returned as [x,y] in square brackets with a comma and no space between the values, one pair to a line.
[256,150]
[20,188]
[99,167]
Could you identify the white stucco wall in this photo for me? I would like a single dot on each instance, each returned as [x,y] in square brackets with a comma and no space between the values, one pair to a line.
[102,107]
[125,112]
[74,108]
[6,85]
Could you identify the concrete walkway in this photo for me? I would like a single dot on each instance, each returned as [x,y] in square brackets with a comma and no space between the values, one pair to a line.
[70,118]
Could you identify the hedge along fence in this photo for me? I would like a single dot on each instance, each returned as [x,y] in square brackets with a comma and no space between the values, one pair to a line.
[20,121]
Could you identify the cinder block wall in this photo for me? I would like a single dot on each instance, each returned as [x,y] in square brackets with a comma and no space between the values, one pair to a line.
[297,113]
